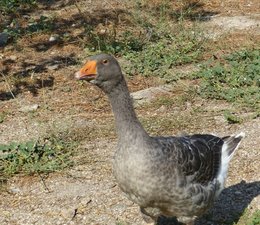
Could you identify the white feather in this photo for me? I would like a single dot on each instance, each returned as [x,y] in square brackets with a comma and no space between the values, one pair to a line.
[225,159]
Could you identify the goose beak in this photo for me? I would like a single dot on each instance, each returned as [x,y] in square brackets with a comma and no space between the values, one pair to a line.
[88,71]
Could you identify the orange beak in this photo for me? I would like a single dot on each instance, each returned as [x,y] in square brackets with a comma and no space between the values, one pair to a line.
[88,71]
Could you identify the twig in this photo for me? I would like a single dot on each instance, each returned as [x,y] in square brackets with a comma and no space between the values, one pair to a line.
[77,211]
[44,184]
[8,86]
[76,4]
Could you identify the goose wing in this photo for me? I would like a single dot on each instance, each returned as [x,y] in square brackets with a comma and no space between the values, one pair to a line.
[198,157]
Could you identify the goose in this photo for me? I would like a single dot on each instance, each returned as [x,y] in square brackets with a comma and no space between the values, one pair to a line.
[176,176]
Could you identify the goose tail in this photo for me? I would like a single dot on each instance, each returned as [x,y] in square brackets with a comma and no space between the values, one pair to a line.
[231,144]
[229,147]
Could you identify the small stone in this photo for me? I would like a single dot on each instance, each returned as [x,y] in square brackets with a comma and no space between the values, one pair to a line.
[42,47]
[13,57]
[54,38]
[29,108]
[52,67]
[102,31]
[26,17]
[67,213]
[147,95]
[15,190]
[188,105]
[163,108]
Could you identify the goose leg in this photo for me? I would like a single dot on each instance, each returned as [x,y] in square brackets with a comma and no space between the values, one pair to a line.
[190,223]
[148,218]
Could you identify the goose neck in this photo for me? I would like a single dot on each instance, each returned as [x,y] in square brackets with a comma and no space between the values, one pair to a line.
[127,124]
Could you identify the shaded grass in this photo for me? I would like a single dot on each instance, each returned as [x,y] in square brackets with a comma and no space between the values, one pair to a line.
[14,6]
[43,24]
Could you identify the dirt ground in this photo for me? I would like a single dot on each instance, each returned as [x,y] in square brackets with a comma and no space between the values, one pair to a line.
[87,193]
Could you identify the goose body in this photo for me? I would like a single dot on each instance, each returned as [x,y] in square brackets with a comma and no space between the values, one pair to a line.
[172,176]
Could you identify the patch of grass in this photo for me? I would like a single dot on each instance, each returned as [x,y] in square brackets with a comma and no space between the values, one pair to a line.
[110,40]
[151,43]
[231,118]
[170,101]
[2,117]
[234,78]
[166,45]
[176,123]
[255,218]
[249,218]
[122,223]
[31,157]
[162,101]
[13,6]
[43,24]
[159,57]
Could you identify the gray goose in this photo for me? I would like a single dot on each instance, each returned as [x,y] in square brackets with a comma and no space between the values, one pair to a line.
[177,176]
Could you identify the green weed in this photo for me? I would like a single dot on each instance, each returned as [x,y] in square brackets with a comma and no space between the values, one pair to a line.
[150,43]
[111,41]
[121,223]
[157,58]
[231,118]
[2,117]
[235,78]
[249,218]
[12,6]
[34,156]
[43,24]
[255,219]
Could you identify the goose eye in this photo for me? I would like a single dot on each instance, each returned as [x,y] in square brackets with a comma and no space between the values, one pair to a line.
[105,61]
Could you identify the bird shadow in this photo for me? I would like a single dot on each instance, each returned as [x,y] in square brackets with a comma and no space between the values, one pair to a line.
[229,207]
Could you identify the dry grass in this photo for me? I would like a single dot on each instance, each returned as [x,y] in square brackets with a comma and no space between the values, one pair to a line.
[81,112]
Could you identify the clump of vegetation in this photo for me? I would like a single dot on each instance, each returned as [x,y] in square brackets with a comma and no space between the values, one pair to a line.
[111,41]
[158,57]
[231,118]
[150,43]
[234,78]
[255,219]
[34,157]
[43,24]
[249,218]
[2,117]
[12,6]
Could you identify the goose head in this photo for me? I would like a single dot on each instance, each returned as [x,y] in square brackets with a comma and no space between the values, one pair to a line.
[102,70]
